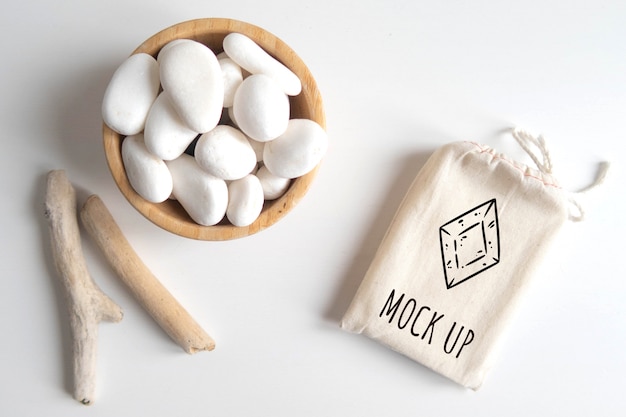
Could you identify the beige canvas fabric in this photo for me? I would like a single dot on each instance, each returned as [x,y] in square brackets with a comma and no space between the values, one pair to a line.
[463,245]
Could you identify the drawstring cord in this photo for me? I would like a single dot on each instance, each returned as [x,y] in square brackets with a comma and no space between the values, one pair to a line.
[526,140]
[544,164]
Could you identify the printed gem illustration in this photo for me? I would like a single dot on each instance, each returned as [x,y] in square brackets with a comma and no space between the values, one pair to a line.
[470,243]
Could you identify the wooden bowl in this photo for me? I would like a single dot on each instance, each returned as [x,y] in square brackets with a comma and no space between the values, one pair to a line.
[170,215]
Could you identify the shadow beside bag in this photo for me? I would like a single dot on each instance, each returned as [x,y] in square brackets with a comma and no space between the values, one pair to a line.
[462,247]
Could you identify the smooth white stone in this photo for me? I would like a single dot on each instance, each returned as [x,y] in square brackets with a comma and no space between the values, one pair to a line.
[245,201]
[251,57]
[225,153]
[231,74]
[261,109]
[298,150]
[258,148]
[192,76]
[273,186]
[147,174]
[244,72]
[130,93]
[169,45]
[166,135]
[231,117]
[203,196]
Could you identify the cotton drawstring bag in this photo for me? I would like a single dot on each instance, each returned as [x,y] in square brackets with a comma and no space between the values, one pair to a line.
[462,247]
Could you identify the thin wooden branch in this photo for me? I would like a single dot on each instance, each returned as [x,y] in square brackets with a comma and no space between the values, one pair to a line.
[87,304]
[145,287]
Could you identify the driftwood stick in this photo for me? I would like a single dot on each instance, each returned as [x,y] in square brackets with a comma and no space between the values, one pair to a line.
[87,304]
[144,286]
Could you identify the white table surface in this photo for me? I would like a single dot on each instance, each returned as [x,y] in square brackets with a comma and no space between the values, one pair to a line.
[398,79]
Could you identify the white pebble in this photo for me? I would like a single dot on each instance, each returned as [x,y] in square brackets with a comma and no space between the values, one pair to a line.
[298,150]
[147,174]
[191,75]
[260,108]
[225,153]
[273,186]
[231,116]
[251,57]
[231,74]
[130,93]
[203,196]
[245,201]
[168,46]
[258,148]
[166,135]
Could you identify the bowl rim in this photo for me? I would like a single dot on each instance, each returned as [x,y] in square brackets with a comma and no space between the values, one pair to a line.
[169,215]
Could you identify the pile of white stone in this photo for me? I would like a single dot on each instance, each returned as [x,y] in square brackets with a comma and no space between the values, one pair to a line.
[211,131]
